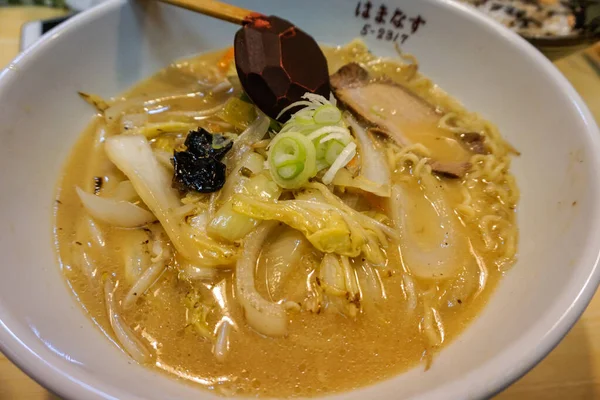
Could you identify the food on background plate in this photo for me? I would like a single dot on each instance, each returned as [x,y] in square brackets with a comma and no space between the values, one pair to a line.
[295,257]
[534,18]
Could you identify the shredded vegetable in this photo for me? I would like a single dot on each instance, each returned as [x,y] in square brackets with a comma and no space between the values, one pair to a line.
[374,170]
[134,157]
[266,317]
[115,212]
[230,225]
[329,228]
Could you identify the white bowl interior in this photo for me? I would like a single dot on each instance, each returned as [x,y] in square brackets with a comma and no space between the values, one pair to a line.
[489,69]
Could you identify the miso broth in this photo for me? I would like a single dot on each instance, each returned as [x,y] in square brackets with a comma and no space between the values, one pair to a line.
[189,320]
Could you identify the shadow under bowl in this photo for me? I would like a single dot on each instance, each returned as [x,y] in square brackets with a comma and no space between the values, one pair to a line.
[563,46]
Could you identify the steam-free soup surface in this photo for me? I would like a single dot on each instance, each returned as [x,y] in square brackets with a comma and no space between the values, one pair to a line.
[331,346]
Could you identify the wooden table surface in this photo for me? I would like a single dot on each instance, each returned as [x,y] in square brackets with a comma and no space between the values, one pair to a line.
[571,371]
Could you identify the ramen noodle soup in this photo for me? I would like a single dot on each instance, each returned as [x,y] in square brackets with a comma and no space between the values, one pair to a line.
[300,257]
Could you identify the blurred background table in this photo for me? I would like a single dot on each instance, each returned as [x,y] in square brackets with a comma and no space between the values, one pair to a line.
[571,371]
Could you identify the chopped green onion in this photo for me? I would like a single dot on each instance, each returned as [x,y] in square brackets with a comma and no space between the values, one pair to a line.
[328,129]
[322,164]
[344,158]
[292,159]
[288,150]
[335,136]
[284,159]
[319,121]
[274,125]
[334,148]
[327,114]
[290,171]
[321,151]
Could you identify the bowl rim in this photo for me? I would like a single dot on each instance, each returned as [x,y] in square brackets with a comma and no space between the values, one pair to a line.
[70,382]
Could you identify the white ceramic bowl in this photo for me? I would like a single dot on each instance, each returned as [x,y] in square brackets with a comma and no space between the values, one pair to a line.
[493,71]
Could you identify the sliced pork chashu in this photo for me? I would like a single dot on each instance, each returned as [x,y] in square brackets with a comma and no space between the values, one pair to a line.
[402,115]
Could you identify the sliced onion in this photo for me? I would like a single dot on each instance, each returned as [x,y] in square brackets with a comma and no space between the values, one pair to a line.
[345,179]
[255,132]
[441,253]
[136,256]
[124,191]
[331,275]
[251,160]
[92,241]
[196,273]
[198,113]
[350,277]
[164,158]
[115,212]
[410,292]
[221,347]
[374,166]
[152,130]
[125,335]
[221,87]
[371,287]
[281,259]
[266,317]
[119,107]
[144,282]
[132,121]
